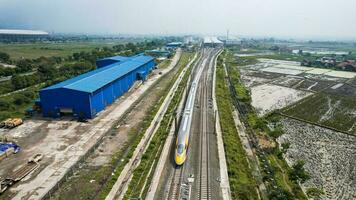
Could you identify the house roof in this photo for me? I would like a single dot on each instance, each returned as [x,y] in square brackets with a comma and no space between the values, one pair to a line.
[22,32]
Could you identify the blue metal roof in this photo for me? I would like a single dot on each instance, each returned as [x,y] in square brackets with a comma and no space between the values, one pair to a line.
[116,58]
[98,78]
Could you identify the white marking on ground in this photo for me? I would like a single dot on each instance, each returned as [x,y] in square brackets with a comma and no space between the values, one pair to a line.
[329,113]
[337,86]
[310,87]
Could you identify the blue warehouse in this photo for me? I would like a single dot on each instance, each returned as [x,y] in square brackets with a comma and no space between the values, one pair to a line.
[86,95]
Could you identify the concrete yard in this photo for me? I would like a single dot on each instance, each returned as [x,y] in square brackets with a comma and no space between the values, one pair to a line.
[63,142]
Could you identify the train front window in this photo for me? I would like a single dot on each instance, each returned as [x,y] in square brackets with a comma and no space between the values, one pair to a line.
[180,148]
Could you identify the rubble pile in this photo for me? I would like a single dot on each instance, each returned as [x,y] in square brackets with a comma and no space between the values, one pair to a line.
[330,157]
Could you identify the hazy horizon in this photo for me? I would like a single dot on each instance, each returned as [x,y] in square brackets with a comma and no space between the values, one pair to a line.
[313,19]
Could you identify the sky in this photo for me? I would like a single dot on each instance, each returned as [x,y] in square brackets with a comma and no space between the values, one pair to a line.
[264,18]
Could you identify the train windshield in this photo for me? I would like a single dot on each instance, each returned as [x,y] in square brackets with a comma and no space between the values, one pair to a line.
[180,148]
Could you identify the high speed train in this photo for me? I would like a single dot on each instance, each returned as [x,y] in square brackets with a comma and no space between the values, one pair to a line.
[184,128]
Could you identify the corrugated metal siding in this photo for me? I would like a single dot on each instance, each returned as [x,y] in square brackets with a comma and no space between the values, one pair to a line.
[89,104]
[54,100]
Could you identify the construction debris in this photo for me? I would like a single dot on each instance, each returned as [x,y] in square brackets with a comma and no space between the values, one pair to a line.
[22,172]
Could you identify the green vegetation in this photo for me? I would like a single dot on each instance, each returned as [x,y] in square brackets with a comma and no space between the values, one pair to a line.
[316,108]
[45,71]
[14,105]
[243,61]
[242,183]
[164,64]
[36,50]
[284,56]
[315,193]
[4,57]
[281,174]
[297,173]
[149,158]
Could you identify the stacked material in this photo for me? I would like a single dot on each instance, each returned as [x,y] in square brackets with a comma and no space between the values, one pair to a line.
[11,122]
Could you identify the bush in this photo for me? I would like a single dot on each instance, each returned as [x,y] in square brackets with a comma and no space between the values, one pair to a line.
[20,99]
[297,173]
[4,57]
[315,193]
[4,105]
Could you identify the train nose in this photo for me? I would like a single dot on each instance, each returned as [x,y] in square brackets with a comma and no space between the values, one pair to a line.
[179,159]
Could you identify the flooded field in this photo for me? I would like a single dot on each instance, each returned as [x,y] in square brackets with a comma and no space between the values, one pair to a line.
[277,84]
[268,97]
[294,68]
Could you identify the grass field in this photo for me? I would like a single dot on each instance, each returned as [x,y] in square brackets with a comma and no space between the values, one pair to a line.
[330,110]
[36,50]
[242,183]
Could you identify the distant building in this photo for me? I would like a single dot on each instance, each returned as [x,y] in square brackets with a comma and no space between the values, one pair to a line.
[8,35]
[212,42]
[174,45]
[231,42]
[328,61]
[158,53]
[86,95]
[348,65]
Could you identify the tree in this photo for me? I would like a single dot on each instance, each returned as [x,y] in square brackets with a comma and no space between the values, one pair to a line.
[132,47]
[4,57]
[24,65]
[297,173]
[47,72]
[20,99]
[4,105]
[18,82]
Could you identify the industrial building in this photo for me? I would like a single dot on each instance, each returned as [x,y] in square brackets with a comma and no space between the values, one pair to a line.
[8,35]
[159,53]
[174,45]
[212,42]
[86,95]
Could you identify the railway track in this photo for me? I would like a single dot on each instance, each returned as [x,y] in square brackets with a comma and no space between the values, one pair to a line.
[204,186]
[193,179]
[176,186]
[177,179]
